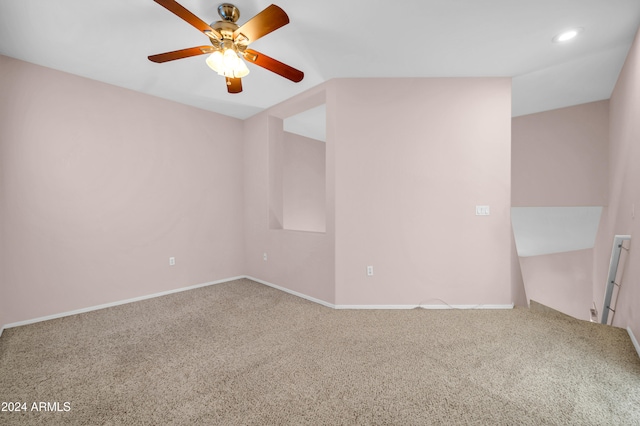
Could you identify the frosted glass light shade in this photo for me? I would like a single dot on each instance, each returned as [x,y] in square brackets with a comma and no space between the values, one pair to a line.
[227,64]
[215,61]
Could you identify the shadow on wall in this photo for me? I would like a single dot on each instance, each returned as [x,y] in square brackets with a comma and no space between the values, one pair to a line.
[555,251]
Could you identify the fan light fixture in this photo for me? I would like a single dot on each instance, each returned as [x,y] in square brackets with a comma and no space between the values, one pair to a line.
[567,35]
[228,50]
[227,64]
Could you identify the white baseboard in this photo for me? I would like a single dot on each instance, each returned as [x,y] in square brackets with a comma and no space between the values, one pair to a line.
[331,305]
[507,306]
[286,290]
[363,307]
[109,305]
[295,293]
[510,306]
[633,340]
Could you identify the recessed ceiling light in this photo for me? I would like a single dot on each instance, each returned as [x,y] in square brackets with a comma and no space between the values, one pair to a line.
[567,35]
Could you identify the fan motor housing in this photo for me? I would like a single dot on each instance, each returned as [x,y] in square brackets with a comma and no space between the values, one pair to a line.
[225,28]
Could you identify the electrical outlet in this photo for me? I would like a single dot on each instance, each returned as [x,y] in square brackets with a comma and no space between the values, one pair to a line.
[172,261]
[369,271]
[264,256]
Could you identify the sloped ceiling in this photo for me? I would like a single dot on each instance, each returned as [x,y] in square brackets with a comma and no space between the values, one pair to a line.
[109,41]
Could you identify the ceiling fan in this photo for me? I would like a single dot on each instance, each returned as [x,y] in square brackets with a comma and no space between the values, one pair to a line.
[229,42]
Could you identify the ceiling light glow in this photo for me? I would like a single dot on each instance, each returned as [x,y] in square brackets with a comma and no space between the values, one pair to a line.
[227,64]
[567,35]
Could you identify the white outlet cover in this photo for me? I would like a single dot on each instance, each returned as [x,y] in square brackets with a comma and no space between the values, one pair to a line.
[483,211]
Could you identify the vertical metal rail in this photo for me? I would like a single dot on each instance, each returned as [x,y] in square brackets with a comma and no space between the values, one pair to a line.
[613,272]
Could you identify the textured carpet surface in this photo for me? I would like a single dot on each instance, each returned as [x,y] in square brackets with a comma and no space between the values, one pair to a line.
[241,353]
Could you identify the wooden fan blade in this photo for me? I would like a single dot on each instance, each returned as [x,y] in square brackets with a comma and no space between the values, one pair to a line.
[270,19]
[179,54]
[273,65]
[234,85]
[189,17]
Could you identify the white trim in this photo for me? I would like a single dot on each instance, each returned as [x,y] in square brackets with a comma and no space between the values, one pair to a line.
[120,302]
[277,287]
[331,305]
[295,293]
[507,306]
[510,306]
[376,307]
[633,340]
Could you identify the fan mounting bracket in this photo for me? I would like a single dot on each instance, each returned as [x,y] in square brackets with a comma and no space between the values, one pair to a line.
[228,12]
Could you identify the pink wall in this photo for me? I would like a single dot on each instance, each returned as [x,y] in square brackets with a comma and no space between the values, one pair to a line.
[304,180]
[559,157]
[101,185]
[413,157]
[404,194]
[275,154]
[4,302]
[299,261]
[517,282]
[561,281]
[624,193]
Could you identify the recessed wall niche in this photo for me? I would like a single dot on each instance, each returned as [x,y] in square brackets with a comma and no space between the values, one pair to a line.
[297,171]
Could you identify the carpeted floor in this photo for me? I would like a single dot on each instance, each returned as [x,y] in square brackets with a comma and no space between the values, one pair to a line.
[241,353]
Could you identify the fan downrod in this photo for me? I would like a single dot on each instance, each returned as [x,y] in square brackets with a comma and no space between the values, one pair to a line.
[228,12]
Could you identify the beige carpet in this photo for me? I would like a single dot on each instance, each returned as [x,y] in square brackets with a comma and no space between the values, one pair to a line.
[242,353]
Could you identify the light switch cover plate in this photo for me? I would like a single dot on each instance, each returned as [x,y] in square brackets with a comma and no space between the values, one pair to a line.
[482,211]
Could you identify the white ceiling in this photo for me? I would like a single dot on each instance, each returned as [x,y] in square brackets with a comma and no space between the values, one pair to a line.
[109,41]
